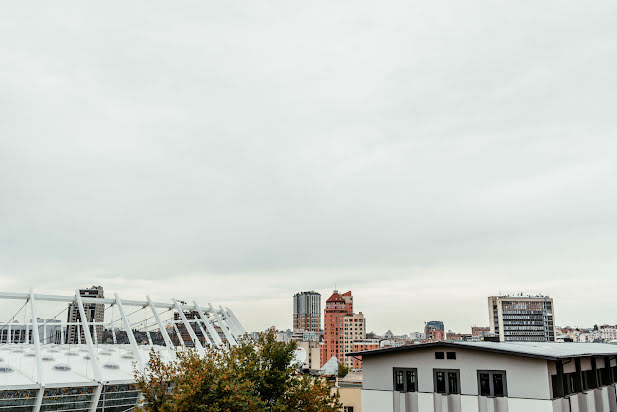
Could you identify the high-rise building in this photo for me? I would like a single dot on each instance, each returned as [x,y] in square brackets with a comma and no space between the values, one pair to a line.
[95,312]
[354,330]
[333,336]
[434,331]
[522,318]
[307,312]
[342,328]
[348,301]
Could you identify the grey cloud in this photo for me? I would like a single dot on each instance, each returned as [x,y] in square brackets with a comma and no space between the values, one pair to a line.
[273,140]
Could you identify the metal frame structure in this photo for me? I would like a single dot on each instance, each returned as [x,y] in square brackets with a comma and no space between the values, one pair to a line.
[207,321]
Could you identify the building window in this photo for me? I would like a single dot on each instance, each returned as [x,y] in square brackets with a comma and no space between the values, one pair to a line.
[492,383]
[405,379]
[451,355]
[439,355]
[347,408]
[446,381]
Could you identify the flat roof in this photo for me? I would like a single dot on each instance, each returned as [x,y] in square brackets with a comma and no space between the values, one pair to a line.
[542,350]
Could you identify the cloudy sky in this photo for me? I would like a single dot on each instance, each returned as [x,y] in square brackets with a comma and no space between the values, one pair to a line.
[422,154]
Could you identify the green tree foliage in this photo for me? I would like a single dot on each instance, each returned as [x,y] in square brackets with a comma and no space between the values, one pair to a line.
[248,377]
[342,370]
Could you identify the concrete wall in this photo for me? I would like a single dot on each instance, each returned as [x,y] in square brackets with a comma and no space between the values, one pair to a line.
[526,377]
[528,384]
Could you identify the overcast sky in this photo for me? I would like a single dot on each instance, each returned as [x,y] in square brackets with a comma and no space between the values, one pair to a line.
[424,154]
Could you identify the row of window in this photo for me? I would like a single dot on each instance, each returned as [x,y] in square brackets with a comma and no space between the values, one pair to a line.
[576,382]
[447,381]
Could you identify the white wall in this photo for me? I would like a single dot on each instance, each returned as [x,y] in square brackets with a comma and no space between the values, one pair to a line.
[526,377]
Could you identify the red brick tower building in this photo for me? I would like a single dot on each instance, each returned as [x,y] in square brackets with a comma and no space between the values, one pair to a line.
[337,307]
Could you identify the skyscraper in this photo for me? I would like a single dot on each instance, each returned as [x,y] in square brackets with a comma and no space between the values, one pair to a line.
[333,328]
[307,312]
[94,313]
[342,328]
[522,318]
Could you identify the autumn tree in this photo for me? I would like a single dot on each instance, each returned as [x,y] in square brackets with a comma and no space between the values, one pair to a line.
[252,376]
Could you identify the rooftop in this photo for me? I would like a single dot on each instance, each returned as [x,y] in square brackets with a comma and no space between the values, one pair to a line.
[542,350]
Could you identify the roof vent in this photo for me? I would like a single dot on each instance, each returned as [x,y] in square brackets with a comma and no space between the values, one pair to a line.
[29,355]
[71,354]
[47,358]
[5,369]
[127,356]
[62,367]
[111,366]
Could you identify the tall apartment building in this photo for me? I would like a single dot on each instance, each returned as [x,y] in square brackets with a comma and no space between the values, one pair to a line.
[434,331]
[307,312]
[342,328]
[522,318]
[94,313]
[354,329]
[333,328]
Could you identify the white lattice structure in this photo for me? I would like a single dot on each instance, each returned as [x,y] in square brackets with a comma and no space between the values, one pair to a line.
[38,373]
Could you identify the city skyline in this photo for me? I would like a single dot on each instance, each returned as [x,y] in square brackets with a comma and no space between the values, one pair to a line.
[424,158]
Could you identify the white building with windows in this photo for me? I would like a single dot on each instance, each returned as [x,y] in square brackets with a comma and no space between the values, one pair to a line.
[490,377]
[608,332]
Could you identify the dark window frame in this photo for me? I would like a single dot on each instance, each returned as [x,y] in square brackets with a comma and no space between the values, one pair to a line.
[451,355]
[404,370]
[491,373]
[447,383]
[440,355]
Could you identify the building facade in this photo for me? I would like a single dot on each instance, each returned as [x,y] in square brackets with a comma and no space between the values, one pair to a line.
[333,330]
[94,313]
[491,376]
[307,312]
[434,331]
[478,332]
[360,346]
[608,332]
[522,318]
[354,330]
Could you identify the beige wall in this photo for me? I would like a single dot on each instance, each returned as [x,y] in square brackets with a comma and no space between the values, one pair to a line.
[350,397]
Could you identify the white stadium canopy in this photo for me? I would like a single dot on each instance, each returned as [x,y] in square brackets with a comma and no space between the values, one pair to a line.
[83,358]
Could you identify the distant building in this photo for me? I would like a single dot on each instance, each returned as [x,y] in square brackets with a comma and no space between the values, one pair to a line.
[94,313]
[454,336]
[348,301]
[522,318]
[434,331]
[192,316]
[342,328]
[50,331]
[313,355]
[354,330]
[307,312]
[333,336]
[359,346]
[416,336]
[477,332]
[608,332]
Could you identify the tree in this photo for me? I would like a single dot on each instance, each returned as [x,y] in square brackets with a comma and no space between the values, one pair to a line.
[342,370]
[251,376]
